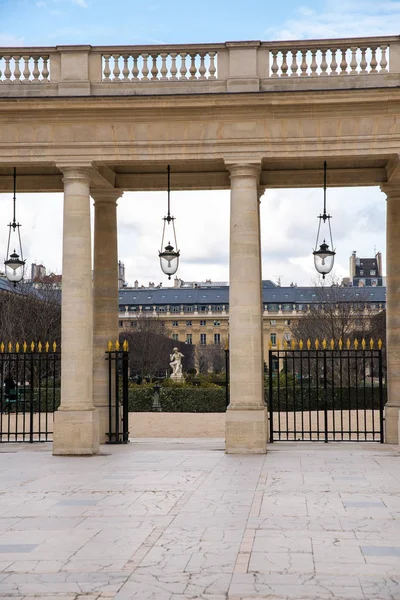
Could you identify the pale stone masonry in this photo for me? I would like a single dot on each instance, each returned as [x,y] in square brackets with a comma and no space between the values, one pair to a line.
[80,118]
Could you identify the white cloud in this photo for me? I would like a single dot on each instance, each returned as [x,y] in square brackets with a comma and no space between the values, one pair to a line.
[340,19]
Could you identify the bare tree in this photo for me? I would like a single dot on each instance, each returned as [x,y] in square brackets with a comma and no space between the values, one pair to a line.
[211,358]
[31,315]
[150,348]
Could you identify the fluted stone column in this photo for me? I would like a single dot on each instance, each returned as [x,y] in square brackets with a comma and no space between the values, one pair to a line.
[105,296]
[392,407]
[76,426]
[246,417]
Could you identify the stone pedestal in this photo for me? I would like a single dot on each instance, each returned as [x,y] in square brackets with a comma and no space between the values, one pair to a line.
[246,430]
[105,297]
[392,408]
[76,429]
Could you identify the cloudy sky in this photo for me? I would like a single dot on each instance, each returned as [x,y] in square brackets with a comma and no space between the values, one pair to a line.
[288,231]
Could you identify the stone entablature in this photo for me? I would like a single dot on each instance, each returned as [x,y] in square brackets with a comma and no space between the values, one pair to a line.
[200,68]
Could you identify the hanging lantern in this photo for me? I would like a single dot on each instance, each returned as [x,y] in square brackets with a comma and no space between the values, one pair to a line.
[169,258]
[324,257]
[14,263]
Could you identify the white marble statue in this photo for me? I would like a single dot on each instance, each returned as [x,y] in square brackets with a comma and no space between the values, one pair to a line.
[176,364]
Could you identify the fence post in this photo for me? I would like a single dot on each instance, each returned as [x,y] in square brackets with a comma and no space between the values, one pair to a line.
[325,399]
[381,408]
[270,403]
[125,397]
[32,396]
[227,377]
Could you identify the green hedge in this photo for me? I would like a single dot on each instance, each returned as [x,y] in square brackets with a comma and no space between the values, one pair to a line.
[342,398]
[178,399]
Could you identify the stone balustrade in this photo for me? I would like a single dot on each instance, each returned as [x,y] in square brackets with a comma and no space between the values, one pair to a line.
[200,68]
[330,58]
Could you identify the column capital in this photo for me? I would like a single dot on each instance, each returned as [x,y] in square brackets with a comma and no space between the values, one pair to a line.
[75,172]
[391,189]
[245,169]
[105,195]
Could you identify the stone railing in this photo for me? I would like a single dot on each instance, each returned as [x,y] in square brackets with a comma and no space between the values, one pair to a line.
[200,68]
[329,58]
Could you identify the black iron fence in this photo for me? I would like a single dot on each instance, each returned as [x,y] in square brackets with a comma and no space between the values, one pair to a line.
[30,380]
[118,383]
[334,393]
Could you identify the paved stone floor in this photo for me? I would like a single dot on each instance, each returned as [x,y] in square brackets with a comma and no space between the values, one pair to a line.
[179,519]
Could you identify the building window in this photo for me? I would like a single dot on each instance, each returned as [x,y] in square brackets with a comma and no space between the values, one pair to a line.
[217,323]
[273,322]
[287,337]
[189,338]
[188,309]
[217,307]
[175,309]
[287,322]
[372,273]
[273,339]
[175,323]
[217,338]
[361,283]
[203,308]
[287,307]
[203,323]
[361,272]
[374,282]
[161,309]
[120,324]
[272,308]
[175,337]
[188,323]
[203,339]
[133,324]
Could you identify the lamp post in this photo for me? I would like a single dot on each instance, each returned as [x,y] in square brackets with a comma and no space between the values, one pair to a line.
[169,258]
[14,263]
[324,257]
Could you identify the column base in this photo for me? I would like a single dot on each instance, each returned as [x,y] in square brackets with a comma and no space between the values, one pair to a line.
[76,432]
[392,425]
[246,431]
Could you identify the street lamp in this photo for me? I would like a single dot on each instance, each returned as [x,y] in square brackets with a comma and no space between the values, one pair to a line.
[169,258]
[14,263]
[324,257]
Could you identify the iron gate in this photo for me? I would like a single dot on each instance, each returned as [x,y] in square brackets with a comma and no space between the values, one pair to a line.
[322,394]
[118,375]
[30,378]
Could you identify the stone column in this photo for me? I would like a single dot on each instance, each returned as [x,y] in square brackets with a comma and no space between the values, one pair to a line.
[76,426]
[246,417]
[392,407]
[105,296]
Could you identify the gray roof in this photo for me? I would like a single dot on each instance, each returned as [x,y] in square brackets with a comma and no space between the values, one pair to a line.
[271,294]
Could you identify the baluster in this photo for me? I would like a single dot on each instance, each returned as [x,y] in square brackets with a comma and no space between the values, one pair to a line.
[116,70]
[324,62]
[334,64]
[1,72]
[174,70]
[363,62]
[202,68]
[374,62]
[274,65]
[135,68]
[164,68]
[303,64]
[183,69]
[193,68]
[353,62]
[384,61]
[343,63]
[154,68]
[36,72]
[284,67]
[17,71]
[313,66]
[294,66]
[106,70]
[7,70]
[145,68]
[125,68]
[212,68]
[45,70]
